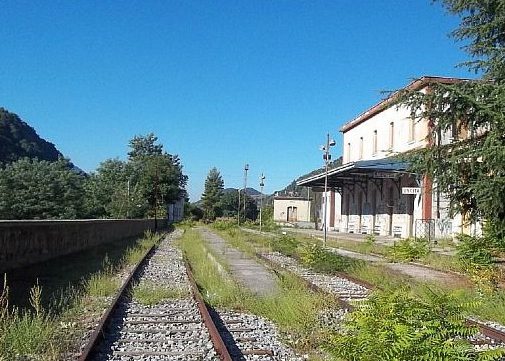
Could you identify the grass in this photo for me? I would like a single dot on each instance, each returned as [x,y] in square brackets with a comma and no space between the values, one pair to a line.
[294,309]
[150,294]
[488,306]
[50,332]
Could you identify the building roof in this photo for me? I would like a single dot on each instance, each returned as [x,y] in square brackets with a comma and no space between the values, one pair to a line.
[416,84]
[350,172]
[291,198]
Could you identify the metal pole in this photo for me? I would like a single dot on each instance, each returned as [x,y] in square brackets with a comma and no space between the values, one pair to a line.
[238,208]
[246,168]
[262,178]
[326,152]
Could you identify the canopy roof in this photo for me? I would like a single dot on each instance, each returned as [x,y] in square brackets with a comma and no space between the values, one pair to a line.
[353,172]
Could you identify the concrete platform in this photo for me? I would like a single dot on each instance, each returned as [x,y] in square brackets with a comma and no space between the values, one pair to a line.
[245,270]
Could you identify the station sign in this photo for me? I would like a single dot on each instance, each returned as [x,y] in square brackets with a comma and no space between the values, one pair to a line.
[387,175]
[411,190]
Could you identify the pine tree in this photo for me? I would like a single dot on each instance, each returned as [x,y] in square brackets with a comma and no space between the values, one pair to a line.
[211,198]
[470,170]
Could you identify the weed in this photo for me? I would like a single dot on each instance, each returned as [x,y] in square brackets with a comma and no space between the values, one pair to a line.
[286,245]
[151,294]
[101,285]
[320,260]
[398,326]
[407,250]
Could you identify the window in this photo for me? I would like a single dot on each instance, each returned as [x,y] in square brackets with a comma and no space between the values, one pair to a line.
[348,152]
[361,148]
[391,135]
[412,129]
[374,142]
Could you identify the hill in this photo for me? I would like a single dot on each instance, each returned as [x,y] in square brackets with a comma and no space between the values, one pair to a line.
[19,140]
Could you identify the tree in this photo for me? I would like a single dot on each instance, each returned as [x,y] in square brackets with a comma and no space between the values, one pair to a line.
[471,169]
[211,197]
[229,204]
[35,189]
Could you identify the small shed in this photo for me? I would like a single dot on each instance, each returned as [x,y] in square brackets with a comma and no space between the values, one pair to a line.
[288,209]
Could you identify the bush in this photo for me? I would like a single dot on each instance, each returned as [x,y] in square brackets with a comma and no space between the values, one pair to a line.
[320,260]
[407,250]
[286,245]
[224,224]
[396,326]
[475,254]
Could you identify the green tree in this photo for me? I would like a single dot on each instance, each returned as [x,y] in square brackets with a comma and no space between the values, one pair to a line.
[211,197]
[471,169]
[157,174]
[33,189]
[229,204]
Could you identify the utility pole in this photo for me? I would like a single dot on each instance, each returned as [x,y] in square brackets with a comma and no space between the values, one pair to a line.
[246,168]
[262,184]
[238,208]
[326,157]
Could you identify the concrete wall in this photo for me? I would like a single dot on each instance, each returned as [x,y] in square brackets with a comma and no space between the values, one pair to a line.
[26,242]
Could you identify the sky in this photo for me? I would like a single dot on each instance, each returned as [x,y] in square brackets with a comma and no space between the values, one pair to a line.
[221,83]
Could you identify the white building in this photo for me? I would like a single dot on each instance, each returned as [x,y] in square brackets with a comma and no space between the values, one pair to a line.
[291,210]
[378,194]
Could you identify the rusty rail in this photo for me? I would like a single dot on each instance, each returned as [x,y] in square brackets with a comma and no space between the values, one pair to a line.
[97,334]
[215,336]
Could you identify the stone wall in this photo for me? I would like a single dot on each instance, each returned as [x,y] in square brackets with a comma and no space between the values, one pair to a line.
[26,242]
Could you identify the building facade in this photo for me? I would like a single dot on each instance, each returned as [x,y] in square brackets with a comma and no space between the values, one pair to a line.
[291,210]
[378,193]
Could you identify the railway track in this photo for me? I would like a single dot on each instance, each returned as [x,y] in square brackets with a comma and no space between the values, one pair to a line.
[179,327]
[348,290]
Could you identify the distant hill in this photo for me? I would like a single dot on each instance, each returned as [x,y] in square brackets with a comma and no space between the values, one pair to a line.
[18,140]
[250,191]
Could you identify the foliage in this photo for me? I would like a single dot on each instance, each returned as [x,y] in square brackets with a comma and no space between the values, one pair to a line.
[28,335]
[192,211]
[477,261]
[38,189]
[397,326]
[409,249]
[321,260]
[286,245]
[148,181]
[229,206]
[211,197]
[370,239]
[470,169]
[19,140]
[225,224]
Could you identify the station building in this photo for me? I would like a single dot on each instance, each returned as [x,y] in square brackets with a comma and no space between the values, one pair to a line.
[373,192]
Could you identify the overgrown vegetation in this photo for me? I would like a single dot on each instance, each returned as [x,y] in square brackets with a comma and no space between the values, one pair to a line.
[397,326]
[37,334]
[409,249]
[322,260]
[29,334]
[295,309]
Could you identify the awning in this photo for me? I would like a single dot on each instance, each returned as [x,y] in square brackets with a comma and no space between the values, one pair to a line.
[350,173]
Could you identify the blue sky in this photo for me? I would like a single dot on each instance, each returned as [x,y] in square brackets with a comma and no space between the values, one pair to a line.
[220,82]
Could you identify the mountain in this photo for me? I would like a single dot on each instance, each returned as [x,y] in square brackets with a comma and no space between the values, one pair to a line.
[19,140]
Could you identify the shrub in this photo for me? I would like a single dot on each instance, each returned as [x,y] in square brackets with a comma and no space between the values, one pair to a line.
[475,254]
[396,326]
[225,224]
[320,260]
[286,245]
[370,239]
[406,250]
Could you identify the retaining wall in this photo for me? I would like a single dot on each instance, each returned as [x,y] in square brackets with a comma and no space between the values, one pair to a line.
[26,242]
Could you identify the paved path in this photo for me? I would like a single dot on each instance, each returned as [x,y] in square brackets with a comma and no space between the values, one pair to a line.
[247,271]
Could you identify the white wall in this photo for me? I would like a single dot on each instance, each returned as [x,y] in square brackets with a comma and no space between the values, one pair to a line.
[281,209]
